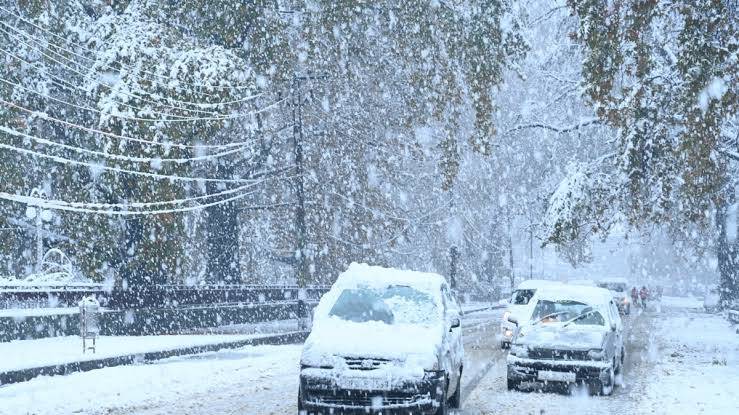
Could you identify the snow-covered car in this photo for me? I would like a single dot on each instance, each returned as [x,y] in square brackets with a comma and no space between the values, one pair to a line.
[619,288]
[383,340]
[520,307]
[711,300]
[575,335]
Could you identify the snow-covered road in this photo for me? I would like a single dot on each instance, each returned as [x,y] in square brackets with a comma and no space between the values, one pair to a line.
[669,370]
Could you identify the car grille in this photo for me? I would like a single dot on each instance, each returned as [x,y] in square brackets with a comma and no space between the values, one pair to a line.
[364,399]
[365,364]
[556,354]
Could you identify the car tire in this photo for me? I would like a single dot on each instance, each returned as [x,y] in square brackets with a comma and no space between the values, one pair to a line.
[442,409]
[605,389]
[513,384]
[301,408]
[455,402]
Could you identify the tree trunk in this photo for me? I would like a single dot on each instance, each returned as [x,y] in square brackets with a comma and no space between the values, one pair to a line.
[725,255]
[222,228]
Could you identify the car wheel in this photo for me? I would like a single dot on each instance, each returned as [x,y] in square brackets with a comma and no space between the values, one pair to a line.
[606,388]
[455,401]
[442,409]
[513,384]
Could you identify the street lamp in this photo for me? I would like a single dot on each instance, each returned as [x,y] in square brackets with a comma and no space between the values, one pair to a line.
[40,215]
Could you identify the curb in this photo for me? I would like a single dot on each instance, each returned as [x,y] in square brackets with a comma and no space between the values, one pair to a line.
[23,375]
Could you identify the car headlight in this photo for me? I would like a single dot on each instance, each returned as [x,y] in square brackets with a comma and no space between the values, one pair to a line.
[626,300]
[519,351]
[596,354]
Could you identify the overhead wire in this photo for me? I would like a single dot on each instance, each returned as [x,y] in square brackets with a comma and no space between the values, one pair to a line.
[64,160]
[139,119]
[234,147]
[67,41]
[136,96]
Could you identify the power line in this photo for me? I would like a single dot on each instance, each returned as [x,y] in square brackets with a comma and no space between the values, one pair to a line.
[50,204]
[67,41]
[43,47]
[63,160]
[253,112]
[135,96]
[110,156]
[234,147]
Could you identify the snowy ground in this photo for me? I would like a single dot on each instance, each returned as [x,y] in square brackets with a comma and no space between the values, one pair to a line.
[22,354]
[675,364]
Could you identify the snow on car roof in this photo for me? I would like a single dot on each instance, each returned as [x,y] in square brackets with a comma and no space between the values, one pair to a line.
[380,277]
[533,284]
[581,293]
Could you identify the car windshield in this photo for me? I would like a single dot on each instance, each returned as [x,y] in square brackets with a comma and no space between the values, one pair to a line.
[392,305]
[613,286]
[522,297]
[559,311]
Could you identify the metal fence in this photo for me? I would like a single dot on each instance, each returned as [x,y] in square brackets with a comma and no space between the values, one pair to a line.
[154,296]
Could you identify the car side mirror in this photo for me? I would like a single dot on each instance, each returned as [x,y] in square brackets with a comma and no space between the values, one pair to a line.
[613,326]
[512,319]
[455,323]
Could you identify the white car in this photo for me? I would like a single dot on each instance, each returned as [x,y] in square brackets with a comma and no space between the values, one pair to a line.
[575,335]
[383,340]
[520,307]
[619,288]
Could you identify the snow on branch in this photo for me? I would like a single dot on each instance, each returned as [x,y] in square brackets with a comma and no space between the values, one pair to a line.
[559,130]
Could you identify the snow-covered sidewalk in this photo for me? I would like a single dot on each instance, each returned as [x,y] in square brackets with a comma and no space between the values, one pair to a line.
[24,354]
[244,380]
[698,365]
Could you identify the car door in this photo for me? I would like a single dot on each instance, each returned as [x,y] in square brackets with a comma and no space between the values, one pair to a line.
[617,335]
[454,351]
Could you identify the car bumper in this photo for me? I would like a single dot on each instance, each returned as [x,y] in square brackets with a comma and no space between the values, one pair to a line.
[527,370]
[323,395]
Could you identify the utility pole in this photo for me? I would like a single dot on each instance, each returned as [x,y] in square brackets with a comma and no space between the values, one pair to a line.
[296,104]
[531,251]
[297,118]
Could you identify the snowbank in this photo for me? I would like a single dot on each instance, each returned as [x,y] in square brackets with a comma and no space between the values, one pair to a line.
[22,354]
[230,381]
[698,370]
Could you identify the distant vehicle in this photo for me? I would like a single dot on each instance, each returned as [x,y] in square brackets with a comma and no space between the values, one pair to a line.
[587,283]
[520,307]
[619,288]
[575,335]
[383,340]
[711,300]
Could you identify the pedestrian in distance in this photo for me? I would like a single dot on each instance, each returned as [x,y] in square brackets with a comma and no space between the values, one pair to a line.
[644,294]
[635,297]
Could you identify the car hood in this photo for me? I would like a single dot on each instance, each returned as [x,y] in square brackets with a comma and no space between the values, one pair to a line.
[521,312]
[333,340]
[558,336]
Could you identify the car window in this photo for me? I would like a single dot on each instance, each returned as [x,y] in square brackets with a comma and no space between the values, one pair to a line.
[392,305]
[590,317]
[522,297]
